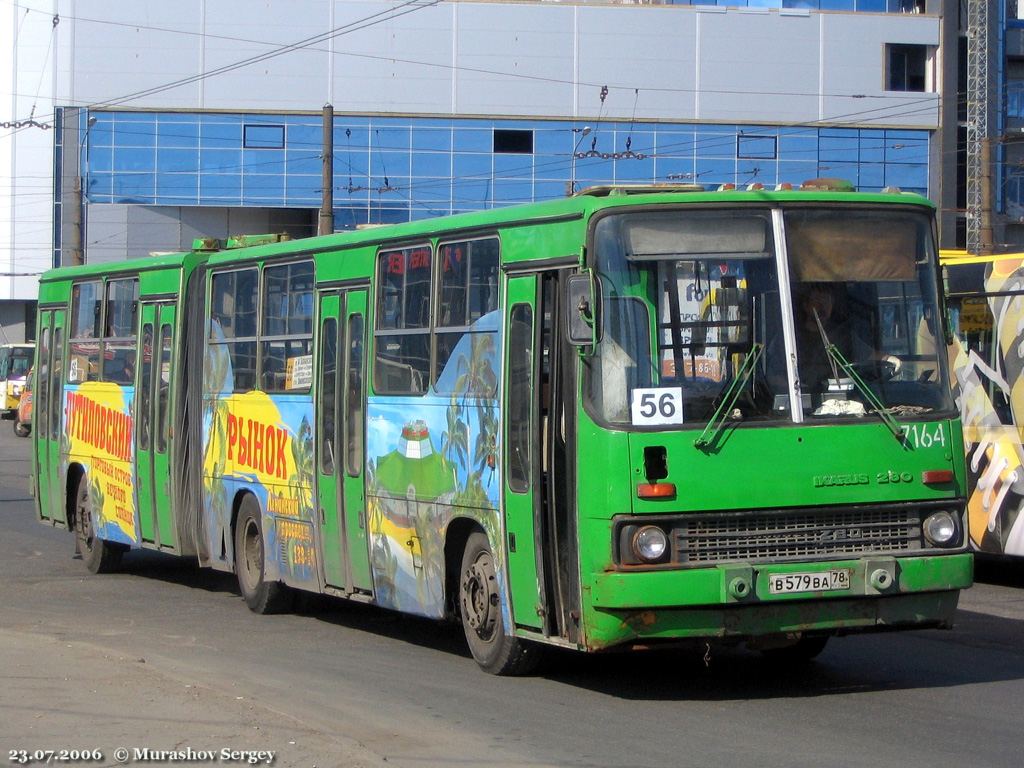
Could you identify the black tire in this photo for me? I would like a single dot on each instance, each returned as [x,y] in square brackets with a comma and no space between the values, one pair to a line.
[480,608]
[98,555]
[260,595]
[802,651]
[21,429]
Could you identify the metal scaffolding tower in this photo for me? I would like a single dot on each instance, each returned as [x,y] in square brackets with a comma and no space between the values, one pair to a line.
[977,124]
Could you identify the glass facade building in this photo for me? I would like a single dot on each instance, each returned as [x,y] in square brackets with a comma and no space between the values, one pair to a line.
[391,169]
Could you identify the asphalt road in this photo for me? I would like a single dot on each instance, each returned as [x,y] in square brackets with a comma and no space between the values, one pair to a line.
[167,656]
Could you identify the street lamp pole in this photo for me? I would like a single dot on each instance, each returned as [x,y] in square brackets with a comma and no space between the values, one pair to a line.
[78,225]
[584,131]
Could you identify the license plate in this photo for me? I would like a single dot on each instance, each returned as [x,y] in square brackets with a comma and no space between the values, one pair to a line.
[819,581]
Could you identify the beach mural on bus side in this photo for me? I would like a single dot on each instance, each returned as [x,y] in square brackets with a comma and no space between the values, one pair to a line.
[262,443]
[430,459]
[99,433]
[992,438]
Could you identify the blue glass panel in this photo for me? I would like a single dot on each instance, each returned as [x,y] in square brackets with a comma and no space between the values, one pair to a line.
[549,190]
[765,4]
[134,133]
[101,134]
[756,147]
[1015,98]
[906,176]
[840,170]
[836,148]
[797,172]
[97,158]
[303,162]
[513,191]
[177,188]
[391,163]
[872,147]
[303,136]
[220,160]
[431,164]
[805,4]
[263,161]
[798,145]
[549,140]
[220,188]
[716,171]
[390,138]
[432,138]
[513,166]
[223,135]
[177,134]
[478,166]
[263,136]
[593,171]
[420,212]
[473,140]
[897,151]
[634,171]
[675,144]
[100,186]
[836,5]
[170,160]
[433,192]
[470,191]
[870,176]
[133,187]
[674,169]
[268,190]
[876,6]
[132,159]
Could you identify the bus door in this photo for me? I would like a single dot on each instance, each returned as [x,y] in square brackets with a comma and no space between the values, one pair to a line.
[47,408]
[540,521]
[340,410]
[152,428]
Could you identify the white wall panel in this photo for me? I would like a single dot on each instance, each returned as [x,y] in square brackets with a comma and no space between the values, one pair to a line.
[293,80]
[654,50]
[402,65]
[758,67]
[121,49]
[854,63]
[511,59]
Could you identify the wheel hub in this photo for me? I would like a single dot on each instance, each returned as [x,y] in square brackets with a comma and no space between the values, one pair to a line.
[480,597]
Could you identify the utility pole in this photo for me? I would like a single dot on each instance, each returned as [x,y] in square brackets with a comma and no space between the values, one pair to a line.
[979,192]
[325,224]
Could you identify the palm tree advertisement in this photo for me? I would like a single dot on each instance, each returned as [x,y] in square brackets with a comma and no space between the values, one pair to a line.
[98,433]
[432,458]
[262,443]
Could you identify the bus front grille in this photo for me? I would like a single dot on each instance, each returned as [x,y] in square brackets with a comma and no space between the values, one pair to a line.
[804,534]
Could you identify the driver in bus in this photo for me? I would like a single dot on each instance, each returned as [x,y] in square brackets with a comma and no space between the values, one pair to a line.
[823,319]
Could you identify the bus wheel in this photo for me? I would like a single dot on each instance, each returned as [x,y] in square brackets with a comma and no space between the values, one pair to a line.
[261,596]
[21,429]
[803,650]
[98,555]
[480,608]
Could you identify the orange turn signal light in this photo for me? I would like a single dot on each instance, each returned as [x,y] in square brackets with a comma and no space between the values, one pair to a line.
[656,490]
[937,476]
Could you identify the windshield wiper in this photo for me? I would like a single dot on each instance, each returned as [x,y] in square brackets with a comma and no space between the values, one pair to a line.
[867,392]
[835,358]
[732,392]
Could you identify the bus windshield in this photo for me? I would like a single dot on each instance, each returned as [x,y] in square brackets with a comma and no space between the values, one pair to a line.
[690,296]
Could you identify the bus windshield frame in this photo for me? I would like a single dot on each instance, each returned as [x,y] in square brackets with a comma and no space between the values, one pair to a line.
[765,296]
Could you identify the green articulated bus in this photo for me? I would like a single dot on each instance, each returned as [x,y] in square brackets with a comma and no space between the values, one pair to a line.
[627,417]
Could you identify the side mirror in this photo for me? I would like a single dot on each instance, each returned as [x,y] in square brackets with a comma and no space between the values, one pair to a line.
[582,309]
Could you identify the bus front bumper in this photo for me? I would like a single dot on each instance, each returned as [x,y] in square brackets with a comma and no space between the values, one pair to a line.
[712,603]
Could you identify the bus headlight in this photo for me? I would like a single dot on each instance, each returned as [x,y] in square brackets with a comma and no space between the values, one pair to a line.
[940,529]
[650,543]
